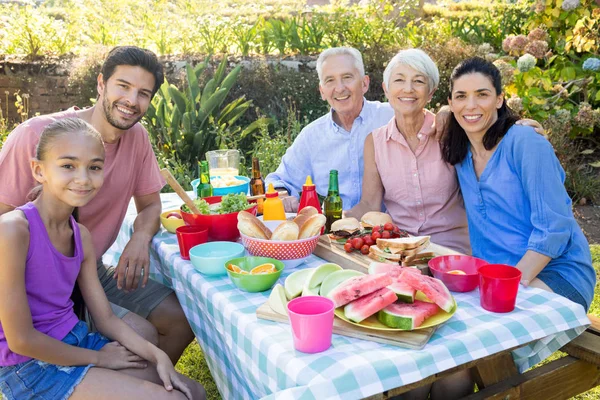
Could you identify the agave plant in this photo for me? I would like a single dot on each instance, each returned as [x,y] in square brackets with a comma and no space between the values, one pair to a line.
[187,123]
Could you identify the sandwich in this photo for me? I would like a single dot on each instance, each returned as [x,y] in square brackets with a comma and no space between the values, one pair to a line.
[400,250]
[344,228]
[420,258]
[374,218]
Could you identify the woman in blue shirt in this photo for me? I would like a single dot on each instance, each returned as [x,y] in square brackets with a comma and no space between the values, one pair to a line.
[518,210]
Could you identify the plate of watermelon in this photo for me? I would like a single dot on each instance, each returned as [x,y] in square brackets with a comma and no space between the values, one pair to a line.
[392,298]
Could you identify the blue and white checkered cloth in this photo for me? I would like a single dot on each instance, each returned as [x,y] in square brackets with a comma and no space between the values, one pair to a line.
[251,358]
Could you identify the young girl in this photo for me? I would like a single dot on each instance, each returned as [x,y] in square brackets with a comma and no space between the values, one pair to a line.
[45,351]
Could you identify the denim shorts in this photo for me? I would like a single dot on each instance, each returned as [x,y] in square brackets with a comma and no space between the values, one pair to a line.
[562,287]
[36,379]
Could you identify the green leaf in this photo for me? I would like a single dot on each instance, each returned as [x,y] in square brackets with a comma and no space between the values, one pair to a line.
[595,164]
[187,123]
[568,73]
[598,95]
[199,69]
[214,101]
[255,125]
[176,118]
[178,98]
[231,78]
[221,70]
[209,90]
[192,83]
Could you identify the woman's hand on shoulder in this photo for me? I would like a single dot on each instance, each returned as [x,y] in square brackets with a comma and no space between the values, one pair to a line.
[534,124]
[115,356]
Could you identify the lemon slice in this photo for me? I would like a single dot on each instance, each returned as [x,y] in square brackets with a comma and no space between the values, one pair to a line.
[294,283]
[277,300]
[457,272]
[266,268]
[234,268]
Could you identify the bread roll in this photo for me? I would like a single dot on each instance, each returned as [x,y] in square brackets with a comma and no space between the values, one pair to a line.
[312,226]
[251,226]
[374,218]
[288,230]
[304,215]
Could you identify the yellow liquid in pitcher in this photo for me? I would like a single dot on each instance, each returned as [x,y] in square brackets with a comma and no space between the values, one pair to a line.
[224,171]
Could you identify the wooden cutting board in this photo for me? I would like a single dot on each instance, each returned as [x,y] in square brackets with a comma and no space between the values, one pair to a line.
[411,339]
[335,253]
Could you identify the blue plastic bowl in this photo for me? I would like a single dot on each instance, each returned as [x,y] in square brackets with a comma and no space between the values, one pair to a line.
[242,188]
[209,258]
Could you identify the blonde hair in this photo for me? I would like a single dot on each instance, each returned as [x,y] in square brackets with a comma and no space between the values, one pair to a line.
[58,129]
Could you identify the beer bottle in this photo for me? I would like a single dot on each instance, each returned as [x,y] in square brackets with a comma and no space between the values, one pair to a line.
[257,184]
[205,189]
[333,201]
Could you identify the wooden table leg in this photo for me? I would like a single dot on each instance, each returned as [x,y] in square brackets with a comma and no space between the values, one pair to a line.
[494,370]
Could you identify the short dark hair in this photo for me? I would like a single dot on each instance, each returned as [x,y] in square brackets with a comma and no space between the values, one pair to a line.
[455,144]
[137,57]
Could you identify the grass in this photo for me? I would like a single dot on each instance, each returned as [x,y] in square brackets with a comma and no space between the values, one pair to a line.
[193,364]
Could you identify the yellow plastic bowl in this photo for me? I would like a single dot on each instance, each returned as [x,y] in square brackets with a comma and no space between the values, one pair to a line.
[171,224]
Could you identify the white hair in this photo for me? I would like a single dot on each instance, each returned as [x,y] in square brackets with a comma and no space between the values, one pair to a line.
[341,51]
[417,60]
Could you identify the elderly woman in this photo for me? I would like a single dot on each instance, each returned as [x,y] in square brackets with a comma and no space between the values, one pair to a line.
[403,165]
[519,211]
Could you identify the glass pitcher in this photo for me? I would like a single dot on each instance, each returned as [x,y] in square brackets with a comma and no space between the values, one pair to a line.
[224,162]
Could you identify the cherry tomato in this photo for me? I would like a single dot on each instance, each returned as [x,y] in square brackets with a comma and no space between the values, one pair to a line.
[369,241]
[386,235]
[375,236]
[364,249]
[358,243]
[348,247]
[388,226]
[376,228]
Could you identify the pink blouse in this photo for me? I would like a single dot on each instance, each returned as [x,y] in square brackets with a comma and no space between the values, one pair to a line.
[421,191]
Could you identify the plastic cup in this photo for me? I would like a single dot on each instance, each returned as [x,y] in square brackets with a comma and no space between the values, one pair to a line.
[311,318]
[189,236]
[498,287]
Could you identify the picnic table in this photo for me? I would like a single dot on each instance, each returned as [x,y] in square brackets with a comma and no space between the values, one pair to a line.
[252,358]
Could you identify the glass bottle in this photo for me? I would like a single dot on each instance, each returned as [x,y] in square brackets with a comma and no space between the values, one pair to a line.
[333,201]
[257,184]
[205,189]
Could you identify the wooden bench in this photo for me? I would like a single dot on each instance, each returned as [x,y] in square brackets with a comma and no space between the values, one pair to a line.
[498,379]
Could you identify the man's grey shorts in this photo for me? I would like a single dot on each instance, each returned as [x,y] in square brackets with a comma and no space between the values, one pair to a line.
[140,301]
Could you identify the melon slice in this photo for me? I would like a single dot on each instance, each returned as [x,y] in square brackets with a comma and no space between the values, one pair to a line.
[357,287]
[333,280]
[294,283]
[404,292]
[407,316]
[362,308]
[278,300]
[393,269]
[433,288]
[317,277]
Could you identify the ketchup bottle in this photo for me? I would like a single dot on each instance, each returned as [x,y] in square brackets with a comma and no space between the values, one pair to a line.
[309,196]
[273,206]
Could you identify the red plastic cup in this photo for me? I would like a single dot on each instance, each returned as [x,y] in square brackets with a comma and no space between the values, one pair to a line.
[311,318]
[498,287]
[189,236]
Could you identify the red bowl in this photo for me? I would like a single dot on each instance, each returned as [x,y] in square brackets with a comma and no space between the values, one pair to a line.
[439,267]
[280,249]
[221,227]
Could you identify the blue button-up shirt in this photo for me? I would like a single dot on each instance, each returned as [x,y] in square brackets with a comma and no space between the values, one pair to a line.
[520,203]
[322,146]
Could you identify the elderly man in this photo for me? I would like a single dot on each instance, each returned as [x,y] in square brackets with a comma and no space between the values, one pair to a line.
[336,140]
[129,78]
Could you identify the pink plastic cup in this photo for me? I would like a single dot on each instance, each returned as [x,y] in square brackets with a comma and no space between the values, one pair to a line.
[498,287]
[311,318]
[189,236]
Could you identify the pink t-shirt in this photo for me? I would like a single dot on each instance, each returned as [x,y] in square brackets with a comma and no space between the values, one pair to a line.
[421,192]
[130,169]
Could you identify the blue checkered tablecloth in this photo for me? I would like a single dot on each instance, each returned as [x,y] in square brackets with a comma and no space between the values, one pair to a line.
[251,358]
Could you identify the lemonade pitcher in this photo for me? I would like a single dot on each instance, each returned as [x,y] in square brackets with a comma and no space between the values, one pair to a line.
[224,162]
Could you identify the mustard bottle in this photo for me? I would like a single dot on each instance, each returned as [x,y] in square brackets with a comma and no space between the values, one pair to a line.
[273,206]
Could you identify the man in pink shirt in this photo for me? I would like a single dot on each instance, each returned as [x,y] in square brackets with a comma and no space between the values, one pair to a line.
[129,79]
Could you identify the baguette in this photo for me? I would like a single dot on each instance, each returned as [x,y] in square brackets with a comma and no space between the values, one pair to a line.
[312,226]
[251,226]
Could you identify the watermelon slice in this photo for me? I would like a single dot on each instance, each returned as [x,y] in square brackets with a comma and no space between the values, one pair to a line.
[357,287]
[407,316]
[362,308]
[404,292]
[393,269]
[433,288]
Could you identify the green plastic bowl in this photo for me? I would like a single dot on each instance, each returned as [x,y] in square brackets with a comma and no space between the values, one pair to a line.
[254,283]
